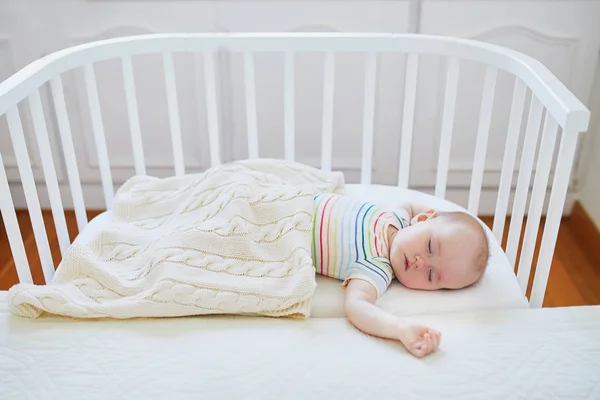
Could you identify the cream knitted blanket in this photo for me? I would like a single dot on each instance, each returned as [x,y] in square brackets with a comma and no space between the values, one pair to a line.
[235,239]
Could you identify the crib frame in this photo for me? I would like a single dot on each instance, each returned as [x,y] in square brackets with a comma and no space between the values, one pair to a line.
[563,110]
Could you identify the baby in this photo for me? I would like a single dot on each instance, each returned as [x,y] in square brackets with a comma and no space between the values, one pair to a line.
[366,246]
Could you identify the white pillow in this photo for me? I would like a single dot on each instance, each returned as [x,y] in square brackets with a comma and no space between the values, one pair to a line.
[497,289]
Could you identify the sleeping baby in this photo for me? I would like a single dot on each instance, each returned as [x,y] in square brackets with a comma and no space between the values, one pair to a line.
[366,246]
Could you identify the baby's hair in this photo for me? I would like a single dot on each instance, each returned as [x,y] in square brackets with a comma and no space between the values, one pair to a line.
[483,251]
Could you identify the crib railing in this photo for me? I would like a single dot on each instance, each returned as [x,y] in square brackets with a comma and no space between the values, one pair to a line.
[548,93]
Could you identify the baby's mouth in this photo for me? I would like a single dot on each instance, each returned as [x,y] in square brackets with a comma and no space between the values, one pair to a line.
[406,263]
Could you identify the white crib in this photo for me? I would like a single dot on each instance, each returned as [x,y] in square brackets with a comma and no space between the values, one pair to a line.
[562,110]
[320,355]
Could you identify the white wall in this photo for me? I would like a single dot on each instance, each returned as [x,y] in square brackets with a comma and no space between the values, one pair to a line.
[562,34]
[589,178]
[590,187]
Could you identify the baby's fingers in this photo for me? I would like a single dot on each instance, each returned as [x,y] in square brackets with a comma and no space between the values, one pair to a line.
[435,340]
[420,349]
[430,342]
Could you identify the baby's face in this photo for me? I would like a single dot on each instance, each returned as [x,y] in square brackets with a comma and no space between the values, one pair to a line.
[434,254]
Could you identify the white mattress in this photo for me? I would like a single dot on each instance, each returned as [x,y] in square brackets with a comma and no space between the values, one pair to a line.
[533,354]
[498,289]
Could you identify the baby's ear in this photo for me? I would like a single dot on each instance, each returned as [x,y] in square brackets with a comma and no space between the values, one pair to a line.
[423,216]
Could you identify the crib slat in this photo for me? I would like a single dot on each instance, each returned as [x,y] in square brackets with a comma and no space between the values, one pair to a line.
[173,107]
[11,224]
[33,203]
[368,118]
[289,107]
[483,131]
[529,146]
[211,108]
[64,128]
[566,155]
[508,163]
[327,123]
[133,114]
[447,126]
[98,131]
[41,133]
[251,119]
[408,115]
[537,200]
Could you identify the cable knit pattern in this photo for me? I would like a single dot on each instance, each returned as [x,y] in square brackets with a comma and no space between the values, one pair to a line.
[235,239]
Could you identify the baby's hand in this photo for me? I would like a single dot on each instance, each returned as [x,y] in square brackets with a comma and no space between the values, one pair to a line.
[420,341]
[362,312]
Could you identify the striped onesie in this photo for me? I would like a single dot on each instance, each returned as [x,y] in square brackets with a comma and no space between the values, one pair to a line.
[350,241]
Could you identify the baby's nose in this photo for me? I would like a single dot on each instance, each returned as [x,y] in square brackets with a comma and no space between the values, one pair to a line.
[419,262]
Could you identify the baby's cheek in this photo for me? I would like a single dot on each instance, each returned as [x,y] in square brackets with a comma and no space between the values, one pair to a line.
[394,257]
[397,262]
[410,282]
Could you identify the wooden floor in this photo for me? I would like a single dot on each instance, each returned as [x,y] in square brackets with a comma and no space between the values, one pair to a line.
[574,277]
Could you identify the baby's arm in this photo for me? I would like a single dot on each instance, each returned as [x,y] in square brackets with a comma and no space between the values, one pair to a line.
[366,316]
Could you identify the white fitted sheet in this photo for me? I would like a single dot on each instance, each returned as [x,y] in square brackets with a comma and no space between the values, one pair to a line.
[498,289]
[533,354]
